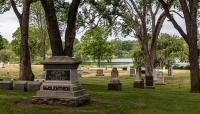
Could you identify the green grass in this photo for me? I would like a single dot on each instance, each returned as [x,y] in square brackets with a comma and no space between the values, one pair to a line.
[172,98]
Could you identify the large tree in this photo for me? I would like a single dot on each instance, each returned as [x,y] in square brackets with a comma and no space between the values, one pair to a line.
[23,18]
[53,28]
[140,17]
[189,9]
[94,45]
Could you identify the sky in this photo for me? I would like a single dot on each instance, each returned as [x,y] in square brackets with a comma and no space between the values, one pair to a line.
[9,24]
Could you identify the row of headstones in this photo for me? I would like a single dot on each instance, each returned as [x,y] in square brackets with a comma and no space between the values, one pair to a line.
[157,75]
[115,84]
[20,85]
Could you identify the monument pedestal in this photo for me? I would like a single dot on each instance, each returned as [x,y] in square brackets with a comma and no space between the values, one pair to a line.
[138,84]
[62,86]
[149,82]
[115,86]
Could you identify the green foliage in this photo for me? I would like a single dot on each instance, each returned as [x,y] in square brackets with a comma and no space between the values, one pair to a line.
[121,49]
[94,45]
[137,55]
[34,43]
[6,55]
[170,48]
[4,6]
[3,42]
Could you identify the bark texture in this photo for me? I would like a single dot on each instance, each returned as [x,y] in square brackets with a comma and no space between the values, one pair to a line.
[52,27]
[190,10]
[70,32]
[25,61]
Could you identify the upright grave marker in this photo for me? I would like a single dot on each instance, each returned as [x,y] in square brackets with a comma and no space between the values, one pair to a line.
[62,85]
[114,83]
[99,72]
[139,80]
[160,80]
[132,72]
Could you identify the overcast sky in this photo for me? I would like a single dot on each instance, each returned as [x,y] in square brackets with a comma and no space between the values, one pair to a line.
[9,24]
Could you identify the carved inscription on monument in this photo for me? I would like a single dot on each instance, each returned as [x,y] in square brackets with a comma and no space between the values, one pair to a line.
[56,88]
[58,75]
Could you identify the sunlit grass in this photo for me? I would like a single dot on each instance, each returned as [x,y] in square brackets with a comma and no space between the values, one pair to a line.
[172,98]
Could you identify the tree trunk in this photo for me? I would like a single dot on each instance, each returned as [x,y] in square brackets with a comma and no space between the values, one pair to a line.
[70,32]
[190,11]
[194,68]
[99,62]
[52,26]
[169,70]
[25,61]
[148,71]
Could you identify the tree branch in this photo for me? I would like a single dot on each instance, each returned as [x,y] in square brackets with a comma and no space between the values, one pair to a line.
[13,4]
[171,18]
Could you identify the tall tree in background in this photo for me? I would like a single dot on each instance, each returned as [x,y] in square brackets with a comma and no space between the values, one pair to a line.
[137,17]
[37,19]
[94,45]
[25,61]
[189,8]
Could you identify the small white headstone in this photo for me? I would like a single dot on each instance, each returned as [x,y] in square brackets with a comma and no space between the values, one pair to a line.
[160,80]
[1,65]
[154,74]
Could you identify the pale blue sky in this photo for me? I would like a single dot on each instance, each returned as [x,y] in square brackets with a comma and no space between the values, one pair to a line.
[9,24]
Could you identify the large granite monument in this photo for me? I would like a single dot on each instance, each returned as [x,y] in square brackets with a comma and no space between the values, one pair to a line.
[61,85]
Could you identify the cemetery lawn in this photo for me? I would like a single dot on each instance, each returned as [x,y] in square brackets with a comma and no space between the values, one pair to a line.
[172,98]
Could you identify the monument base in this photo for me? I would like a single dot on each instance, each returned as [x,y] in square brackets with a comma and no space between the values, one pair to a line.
[73,102]
[149,82]
[139,84]
[115,86]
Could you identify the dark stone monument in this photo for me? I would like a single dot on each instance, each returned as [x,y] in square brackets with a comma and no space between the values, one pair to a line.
[61,85]
[99,72]
[132,72]
[6,85]
[114,83]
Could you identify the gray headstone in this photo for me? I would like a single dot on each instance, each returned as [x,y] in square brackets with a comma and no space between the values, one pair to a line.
[20,85]
[114,83]
[6,85]
[114,76]
[154,74]
[34,86]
